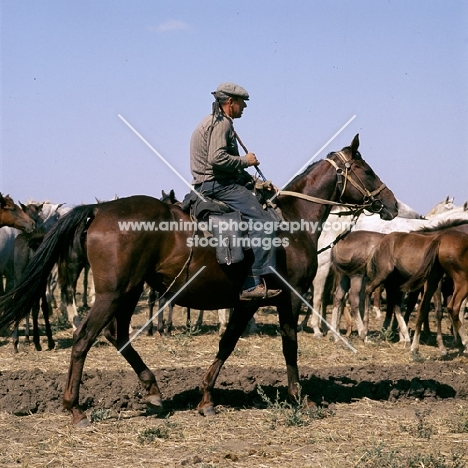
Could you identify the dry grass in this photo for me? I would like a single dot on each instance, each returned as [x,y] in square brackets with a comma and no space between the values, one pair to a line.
[363,433]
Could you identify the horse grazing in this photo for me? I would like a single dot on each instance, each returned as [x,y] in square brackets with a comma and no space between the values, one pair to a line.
[124,259]
[13,216]
[447,253]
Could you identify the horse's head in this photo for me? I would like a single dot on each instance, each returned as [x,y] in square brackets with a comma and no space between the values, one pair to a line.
[12,215]
[358,183]
[441,207]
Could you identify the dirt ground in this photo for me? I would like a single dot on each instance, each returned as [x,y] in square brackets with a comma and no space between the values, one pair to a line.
[378,407]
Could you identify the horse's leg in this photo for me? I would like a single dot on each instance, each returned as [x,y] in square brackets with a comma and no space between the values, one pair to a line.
[365,302]
[160,326]
[152,297]
[377,302]
[121,340]
[188,323]
[15,338]
[170,313]
[311,316]
[423,309]
[223,318]
[51,286]
[46,313]
[339,297]
[105,307]
[199,322]
[453,308]
[27,329]
[236,325]
[356,299]
[251,326]
[437,299]
[35,322]
[288,312]
[411,300]
[320,294]
[403,328]
[390,294]
[68,304]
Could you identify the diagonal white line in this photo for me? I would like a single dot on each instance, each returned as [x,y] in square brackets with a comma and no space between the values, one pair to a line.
[162,158]
[346,342]
[160,310]
[315,155]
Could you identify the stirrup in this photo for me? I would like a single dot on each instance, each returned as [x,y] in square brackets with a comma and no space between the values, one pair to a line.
[259,292]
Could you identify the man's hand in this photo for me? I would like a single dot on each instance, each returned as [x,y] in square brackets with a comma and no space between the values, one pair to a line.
[252,159]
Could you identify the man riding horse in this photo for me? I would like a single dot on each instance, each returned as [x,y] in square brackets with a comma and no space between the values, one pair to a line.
[219,172]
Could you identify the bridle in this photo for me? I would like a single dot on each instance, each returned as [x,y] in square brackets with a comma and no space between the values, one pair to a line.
[345,175]
[376,205]
[369,202]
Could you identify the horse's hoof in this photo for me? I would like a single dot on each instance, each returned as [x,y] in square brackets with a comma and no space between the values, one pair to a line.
[82,423]
[207,411]
[154,402]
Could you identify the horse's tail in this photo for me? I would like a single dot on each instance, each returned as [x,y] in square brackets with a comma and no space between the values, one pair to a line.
[15,305]
[418,279]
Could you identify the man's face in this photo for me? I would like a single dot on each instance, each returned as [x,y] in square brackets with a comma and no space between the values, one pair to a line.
[237,107]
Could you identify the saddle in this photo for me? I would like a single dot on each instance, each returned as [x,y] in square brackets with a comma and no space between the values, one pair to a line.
[200,209]
[217,216]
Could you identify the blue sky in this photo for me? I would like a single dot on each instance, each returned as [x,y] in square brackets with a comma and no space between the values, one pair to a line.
[69,68]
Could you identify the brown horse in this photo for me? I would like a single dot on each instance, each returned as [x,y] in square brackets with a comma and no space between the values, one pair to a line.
[398,258]
[446,253]
[12,215]
[122,260]
[349,260]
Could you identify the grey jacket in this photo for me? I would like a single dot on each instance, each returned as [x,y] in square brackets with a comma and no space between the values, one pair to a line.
[214,154]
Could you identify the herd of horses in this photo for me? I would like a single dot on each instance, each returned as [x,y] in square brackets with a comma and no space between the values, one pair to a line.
[124,262]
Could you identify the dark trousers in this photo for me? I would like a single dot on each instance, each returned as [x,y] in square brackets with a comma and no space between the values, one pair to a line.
[241,199]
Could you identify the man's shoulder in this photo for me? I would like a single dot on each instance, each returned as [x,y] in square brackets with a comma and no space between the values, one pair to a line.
[220,121]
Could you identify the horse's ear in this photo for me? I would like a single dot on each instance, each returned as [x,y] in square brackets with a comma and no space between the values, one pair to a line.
[163,193]
[2,200]
[465,206]
[23,207]
[172,196]
[355,143]
[447,199]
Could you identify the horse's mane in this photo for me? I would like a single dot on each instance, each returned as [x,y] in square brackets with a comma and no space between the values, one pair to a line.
[443,225]
[304,173]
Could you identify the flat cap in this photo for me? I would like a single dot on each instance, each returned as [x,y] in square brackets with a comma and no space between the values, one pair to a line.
[232,90]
